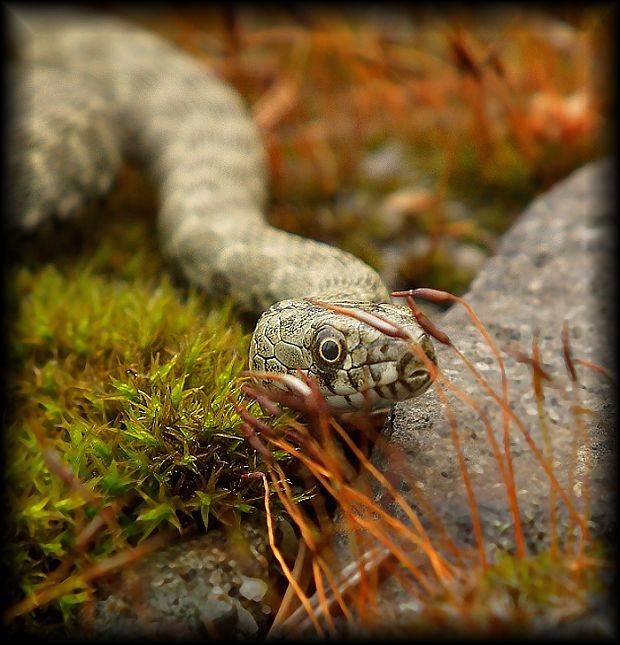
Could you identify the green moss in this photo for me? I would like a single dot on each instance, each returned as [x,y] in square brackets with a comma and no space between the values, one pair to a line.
[126,377]
[516,596]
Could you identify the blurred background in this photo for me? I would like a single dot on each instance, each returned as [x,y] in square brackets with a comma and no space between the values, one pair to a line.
[410,136]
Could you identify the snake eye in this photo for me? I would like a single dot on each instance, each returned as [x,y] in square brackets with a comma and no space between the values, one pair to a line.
[330,346]
[330,350]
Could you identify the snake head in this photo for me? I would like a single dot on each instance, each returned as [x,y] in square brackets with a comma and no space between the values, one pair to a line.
[356,365]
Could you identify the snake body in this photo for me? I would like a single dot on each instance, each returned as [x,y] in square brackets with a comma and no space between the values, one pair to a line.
[89,90]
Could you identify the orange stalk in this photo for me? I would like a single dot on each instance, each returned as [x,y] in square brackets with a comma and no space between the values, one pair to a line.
[305,601]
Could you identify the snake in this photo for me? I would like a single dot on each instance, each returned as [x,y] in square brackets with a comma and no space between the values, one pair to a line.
[90,90]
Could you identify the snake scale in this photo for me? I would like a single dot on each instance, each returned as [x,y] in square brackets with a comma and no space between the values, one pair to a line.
[89,90]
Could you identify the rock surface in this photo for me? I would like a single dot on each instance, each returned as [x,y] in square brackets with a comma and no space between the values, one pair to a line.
[554,265]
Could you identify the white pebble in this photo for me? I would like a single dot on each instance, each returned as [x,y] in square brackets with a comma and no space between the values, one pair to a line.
[253,588]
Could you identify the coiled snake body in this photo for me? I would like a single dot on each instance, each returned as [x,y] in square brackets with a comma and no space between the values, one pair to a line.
[90,89]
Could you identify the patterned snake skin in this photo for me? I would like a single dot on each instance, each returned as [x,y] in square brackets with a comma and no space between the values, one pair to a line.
[91,89]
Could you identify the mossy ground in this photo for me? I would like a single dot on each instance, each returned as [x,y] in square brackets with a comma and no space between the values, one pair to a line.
[127,377]
[126,372]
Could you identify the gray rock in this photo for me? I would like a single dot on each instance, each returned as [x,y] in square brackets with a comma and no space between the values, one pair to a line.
[554,265]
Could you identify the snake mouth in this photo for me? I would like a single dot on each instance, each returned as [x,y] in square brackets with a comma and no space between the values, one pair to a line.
[384,394]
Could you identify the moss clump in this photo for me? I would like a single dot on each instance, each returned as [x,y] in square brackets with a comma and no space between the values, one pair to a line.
[534,595]
[126,381]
